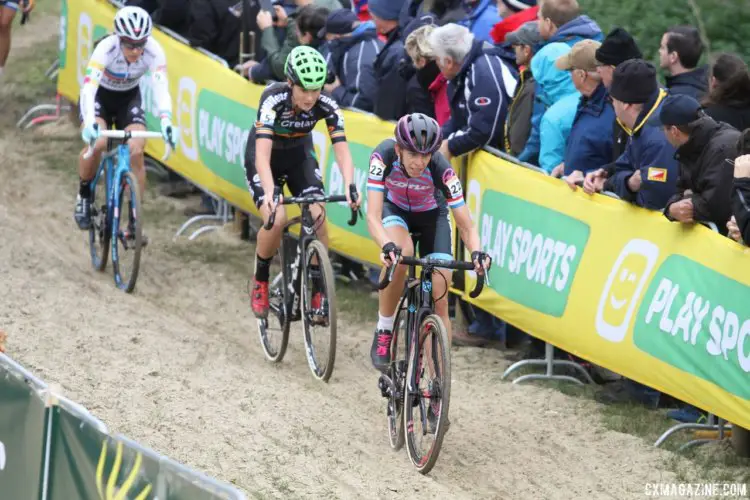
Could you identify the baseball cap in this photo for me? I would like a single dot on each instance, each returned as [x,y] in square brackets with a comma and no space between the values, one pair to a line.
[339,22]
[581,56]
[679,109]
[527,34]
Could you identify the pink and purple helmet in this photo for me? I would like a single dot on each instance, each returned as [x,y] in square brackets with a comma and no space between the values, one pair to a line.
[419,133]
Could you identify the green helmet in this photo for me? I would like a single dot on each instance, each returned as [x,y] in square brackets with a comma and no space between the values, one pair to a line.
[306,67]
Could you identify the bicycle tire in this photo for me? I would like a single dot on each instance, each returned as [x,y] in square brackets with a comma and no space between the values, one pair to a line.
[279,292]
[128,285]
[424,464]
[100,229]
[395,408]
[324,264]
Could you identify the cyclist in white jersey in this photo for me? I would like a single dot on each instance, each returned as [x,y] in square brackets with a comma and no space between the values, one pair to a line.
[111,95]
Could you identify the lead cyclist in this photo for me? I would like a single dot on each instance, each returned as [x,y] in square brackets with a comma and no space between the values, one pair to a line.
[410,188]
[111,95]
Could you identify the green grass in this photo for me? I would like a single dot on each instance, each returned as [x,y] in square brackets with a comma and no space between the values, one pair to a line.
[25,79]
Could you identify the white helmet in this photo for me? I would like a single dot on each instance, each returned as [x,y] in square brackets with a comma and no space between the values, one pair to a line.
[133,23]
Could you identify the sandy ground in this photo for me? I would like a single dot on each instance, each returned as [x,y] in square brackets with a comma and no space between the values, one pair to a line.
[178,367]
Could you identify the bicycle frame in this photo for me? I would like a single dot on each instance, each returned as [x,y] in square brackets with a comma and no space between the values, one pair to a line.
[114,164]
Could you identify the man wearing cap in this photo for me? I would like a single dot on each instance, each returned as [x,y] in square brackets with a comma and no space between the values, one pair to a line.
[351,51]
[646,173]
[704,188]
[590,141]
[518,124]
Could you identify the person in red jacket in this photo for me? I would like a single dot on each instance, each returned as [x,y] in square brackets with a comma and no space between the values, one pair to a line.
[418,48]
[514,13]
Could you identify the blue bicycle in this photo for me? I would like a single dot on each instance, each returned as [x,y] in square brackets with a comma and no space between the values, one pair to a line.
[122,198]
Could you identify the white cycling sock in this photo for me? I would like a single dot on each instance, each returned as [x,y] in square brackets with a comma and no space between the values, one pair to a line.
[385,322]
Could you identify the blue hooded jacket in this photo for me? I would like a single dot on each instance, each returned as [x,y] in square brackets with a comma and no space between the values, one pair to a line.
[648,151]
[479,96]
[590,141]
[482,17]
[580,28]
[351,59]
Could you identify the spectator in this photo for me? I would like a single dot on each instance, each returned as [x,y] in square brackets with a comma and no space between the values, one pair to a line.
[214,28]
[480,84]
[646,173]
[560,22]
[514,14]
[276,52]
[739,225]
[679,53]
[353,47]
[704,187]
[728,99]
[390,103]
[429,75]
[560,98]
[518,124]
[417,81]
[589,144]
[444,11]
[482,16]
[172,14]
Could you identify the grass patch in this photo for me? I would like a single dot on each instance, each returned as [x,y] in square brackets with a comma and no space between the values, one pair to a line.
[25,83]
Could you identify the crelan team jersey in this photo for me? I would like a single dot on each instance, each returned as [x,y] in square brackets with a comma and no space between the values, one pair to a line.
[437,187]
[109,68]
[287,127]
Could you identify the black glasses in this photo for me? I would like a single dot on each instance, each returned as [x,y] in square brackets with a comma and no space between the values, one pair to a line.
[133,45]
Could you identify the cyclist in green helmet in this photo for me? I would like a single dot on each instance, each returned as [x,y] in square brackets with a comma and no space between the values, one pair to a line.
[280,144]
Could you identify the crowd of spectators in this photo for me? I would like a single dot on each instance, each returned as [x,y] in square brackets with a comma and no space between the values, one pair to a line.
[540,82]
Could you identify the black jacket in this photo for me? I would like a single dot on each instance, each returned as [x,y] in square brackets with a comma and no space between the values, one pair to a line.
[214,28]
[705,171]
[693,83]
[737,116]
[741,206]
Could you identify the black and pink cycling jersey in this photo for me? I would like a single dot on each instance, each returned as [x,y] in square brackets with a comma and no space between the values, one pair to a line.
[437,187]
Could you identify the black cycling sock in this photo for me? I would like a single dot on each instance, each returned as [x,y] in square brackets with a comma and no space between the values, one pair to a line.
[84,189]
[262,268]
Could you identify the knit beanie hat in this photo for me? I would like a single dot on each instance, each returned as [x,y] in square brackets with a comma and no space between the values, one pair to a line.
[617,47]
[389,10]
[518,5]
[634,81]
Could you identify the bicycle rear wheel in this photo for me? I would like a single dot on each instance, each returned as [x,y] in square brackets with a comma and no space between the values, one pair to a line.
[274,330]
[128,240]
[397,373]
[319,311]
[99,232]
[427,406]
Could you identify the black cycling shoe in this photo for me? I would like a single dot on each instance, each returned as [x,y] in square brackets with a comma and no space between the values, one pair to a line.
[82,213]
[380,352]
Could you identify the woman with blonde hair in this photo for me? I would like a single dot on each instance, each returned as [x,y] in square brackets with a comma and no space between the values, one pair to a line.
[428,74]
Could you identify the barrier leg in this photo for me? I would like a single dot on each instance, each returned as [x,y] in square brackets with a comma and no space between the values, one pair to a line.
[712,425]
[550,363]
[53,70]
[222,215]
[56,109]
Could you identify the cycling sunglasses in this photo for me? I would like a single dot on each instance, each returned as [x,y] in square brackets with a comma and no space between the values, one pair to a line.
[133,45]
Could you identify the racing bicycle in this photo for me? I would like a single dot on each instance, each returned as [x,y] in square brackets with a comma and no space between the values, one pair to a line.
[417,383]
[304,289]
[121,197]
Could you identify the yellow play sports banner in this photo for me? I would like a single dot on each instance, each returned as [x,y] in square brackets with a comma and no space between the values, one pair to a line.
[214,108]
[663,303]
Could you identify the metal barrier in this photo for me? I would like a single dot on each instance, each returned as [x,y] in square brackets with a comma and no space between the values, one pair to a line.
[222,214]
[549,361]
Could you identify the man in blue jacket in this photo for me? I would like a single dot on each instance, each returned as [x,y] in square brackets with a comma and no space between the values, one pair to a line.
[480,86]
[482,17]
[590,141]
[560,21]
[351,49]
[647,171]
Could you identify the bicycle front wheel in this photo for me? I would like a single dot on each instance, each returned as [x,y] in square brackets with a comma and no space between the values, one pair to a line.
[426,405]
[127,234]
[319,311]
[99,231]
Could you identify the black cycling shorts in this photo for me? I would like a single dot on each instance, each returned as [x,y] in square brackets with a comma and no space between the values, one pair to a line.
[119,108]
[434,228]
[297,166]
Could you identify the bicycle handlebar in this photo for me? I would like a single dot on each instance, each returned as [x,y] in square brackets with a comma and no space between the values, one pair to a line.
[448,264]
[131,134]
[316,198]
